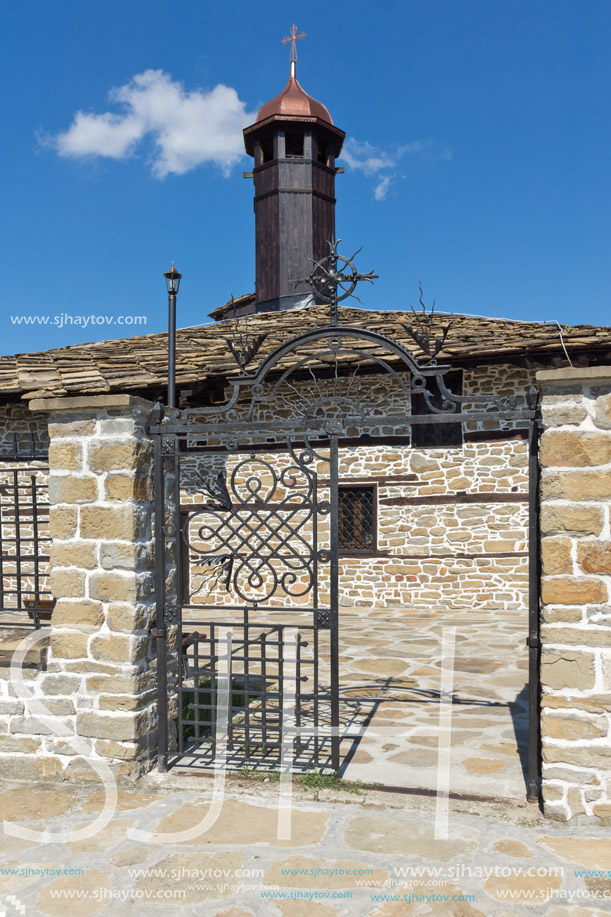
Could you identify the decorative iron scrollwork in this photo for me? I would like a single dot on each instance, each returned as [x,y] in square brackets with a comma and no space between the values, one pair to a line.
[257,540]
[243,345]
[220,573]
[332,272]
[346,394]
[171,614]
[218,491]
[422,331]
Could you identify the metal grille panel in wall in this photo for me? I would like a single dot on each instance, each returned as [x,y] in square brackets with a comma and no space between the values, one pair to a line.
[357,520]
[24,544]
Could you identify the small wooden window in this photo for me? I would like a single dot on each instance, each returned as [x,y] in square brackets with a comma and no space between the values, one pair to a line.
[267,149]
[293,145]
[357,520]
[437,435]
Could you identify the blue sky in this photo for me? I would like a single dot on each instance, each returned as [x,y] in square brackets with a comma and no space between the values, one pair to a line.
[479,137]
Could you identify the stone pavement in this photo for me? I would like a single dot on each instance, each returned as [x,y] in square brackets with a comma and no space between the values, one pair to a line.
[390,672]
[390,681]
[338,841]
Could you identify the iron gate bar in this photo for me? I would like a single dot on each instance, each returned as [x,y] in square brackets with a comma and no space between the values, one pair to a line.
[264,682]
[160,629]
[334,548]
[213,687]
[533,641]
[290,427]
[36,538]
[17,531]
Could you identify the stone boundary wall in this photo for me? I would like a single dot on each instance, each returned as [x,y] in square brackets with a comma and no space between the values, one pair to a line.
[22,430]
[99,679]
[575,598]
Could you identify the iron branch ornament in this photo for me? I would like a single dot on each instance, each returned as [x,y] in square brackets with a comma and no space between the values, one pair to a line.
[334,272]
[422,330]
[244,345]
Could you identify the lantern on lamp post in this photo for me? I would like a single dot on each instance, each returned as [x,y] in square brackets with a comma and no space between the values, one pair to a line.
[172,281]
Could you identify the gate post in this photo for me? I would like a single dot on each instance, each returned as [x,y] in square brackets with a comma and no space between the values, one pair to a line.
[575,461]
[101,522]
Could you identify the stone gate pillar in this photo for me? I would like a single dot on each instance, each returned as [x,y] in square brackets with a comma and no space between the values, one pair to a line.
[101,520]
[575,593]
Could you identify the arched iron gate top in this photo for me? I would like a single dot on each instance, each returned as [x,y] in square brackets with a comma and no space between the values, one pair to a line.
[338,343]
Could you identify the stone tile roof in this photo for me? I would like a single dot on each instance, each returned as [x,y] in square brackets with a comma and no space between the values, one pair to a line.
[139,364]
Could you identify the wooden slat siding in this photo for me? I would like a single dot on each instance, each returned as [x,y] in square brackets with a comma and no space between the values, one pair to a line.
[443,499]
[140,363]
[294,213]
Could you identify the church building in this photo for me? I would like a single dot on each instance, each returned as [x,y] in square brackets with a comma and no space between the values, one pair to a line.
[365,477]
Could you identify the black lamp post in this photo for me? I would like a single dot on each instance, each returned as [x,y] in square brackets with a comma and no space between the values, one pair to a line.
[172,282]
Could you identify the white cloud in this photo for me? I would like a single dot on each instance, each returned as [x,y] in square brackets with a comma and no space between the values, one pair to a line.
[379,192]
[363,155]
[187,128]
[382,164]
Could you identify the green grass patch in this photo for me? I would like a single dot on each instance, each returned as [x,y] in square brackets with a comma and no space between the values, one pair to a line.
[318,781]
[314,780]
[253,774]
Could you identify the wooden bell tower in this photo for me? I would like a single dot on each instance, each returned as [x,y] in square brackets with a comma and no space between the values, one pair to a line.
[294,144]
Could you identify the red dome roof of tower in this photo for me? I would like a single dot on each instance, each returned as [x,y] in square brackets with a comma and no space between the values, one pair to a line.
[294,101]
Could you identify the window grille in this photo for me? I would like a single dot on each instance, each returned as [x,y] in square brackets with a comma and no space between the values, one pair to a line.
[24,539]
[357,520]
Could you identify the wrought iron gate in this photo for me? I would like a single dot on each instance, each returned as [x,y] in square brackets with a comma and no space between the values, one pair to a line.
[255,545]
[246,521]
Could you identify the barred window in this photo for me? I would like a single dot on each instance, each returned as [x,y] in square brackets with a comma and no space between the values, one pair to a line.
[437,435]
[357,520]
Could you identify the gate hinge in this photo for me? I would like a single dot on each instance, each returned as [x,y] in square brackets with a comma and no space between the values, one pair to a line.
[533,642]
[158,632]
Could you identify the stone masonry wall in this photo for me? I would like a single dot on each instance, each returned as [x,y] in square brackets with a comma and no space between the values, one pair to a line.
[576,601]
[451,522]
[99,678]
[451,525]
[22,431]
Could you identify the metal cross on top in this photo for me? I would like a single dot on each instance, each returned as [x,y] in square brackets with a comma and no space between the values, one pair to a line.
[334,272]
[293,37]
